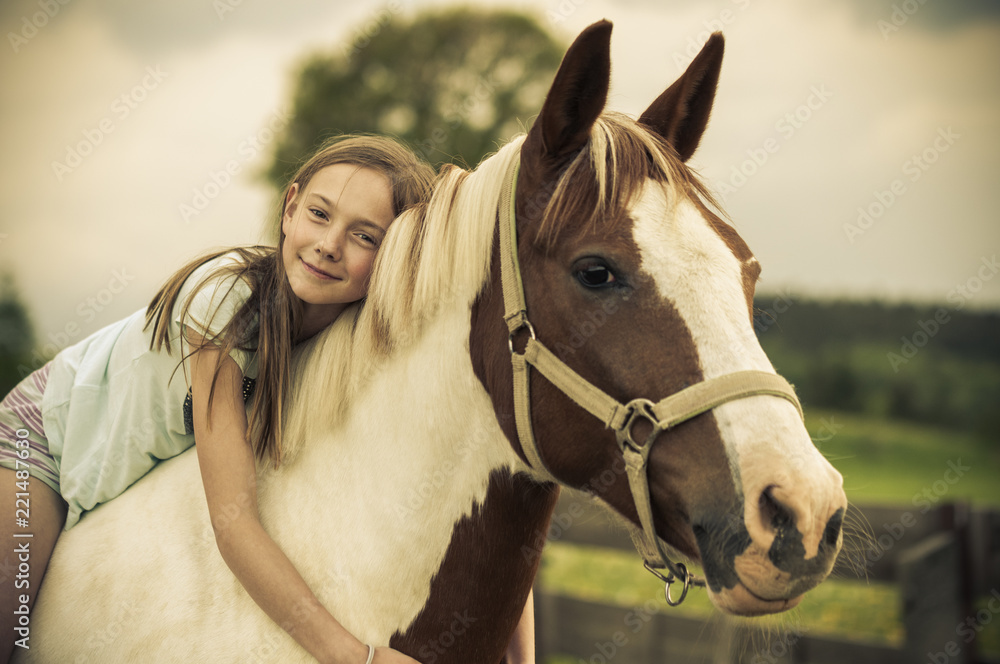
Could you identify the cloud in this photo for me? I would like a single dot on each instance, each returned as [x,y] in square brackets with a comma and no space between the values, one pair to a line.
[226,78]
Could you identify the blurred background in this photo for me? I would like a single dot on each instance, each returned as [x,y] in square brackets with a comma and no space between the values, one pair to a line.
[855,143]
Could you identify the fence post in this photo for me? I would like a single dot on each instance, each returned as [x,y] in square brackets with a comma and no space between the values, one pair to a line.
[725,651]
[930,587]
[546,622]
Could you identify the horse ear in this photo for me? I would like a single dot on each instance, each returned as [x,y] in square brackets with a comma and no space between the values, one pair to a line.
[680,114]
[577,96]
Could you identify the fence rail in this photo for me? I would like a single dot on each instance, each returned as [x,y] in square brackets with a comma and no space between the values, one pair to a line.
[943,557]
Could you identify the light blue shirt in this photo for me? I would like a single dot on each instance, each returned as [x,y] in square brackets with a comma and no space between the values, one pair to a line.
[113,408]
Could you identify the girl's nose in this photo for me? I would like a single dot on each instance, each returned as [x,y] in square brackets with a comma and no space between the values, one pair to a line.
[331,244]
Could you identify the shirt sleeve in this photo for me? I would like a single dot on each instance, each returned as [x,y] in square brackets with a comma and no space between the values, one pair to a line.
[214,300]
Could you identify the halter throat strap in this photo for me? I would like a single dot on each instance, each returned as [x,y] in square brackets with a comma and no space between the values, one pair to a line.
[637,424]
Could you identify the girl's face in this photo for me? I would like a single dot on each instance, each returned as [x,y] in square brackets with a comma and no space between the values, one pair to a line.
[333,228]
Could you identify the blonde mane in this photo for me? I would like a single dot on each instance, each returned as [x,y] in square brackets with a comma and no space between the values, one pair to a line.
[438,254]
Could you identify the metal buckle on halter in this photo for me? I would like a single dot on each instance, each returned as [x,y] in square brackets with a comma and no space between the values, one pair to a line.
[510,337]
[637,410]
[669,579]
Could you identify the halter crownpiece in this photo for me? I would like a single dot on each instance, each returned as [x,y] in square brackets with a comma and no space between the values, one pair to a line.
[620,418]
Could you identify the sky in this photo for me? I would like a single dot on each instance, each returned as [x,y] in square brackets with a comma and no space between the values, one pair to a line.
[855,144]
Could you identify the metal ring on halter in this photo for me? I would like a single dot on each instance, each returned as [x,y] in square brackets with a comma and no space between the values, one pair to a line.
[510,337]
[684,588]
[670,579]
[640,409]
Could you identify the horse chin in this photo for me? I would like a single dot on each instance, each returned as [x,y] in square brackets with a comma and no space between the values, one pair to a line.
[762,589]
[740,601]
[750,584]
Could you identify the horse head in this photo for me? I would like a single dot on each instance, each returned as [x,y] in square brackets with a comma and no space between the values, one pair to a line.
[642,290]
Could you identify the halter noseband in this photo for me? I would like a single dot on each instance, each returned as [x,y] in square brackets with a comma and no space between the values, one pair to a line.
[621,418]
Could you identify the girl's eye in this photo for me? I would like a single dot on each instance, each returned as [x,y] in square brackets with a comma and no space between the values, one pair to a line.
[318,213]
[596,275]
[367,239]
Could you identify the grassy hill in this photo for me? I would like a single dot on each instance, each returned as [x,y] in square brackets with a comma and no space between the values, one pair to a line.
[930,364]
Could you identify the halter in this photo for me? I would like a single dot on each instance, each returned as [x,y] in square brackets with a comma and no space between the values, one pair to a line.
[621,418]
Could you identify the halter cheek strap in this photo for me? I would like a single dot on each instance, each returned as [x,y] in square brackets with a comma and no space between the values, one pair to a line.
[620,418]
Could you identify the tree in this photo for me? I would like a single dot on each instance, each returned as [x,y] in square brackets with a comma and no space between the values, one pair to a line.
[17,335]
[453,84]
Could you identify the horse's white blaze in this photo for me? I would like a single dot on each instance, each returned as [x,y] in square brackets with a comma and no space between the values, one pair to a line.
[416,486]
[766,442]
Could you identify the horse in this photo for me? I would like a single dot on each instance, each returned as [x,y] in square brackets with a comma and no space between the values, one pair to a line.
[430,428]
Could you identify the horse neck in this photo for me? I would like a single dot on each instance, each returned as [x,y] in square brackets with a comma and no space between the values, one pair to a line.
[480,590]
[419,431]
[437,504]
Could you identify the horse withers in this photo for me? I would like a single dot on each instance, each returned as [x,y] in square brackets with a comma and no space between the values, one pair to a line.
[421,461]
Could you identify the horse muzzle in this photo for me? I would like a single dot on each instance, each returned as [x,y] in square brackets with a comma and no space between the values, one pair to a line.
[788,550]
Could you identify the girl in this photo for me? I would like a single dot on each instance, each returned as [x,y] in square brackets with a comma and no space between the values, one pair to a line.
[104,411]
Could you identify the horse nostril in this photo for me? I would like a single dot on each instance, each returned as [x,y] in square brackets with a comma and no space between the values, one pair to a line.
[772,512]
[832,531]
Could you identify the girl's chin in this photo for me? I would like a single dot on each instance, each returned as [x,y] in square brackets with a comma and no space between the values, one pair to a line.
[313,300]
[311,293]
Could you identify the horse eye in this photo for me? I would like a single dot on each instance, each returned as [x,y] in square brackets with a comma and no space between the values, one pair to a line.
[596,276]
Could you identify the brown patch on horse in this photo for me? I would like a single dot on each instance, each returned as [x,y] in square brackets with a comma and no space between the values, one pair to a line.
[689,464]
[489,353]
[632,345]
[478,595]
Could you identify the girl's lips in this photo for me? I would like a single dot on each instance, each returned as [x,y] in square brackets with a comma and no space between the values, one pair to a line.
[319,273]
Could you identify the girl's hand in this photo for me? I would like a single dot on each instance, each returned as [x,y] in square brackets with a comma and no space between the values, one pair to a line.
[390,656]
[521,649]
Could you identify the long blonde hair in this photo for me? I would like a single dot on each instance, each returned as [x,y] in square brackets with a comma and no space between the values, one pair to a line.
[268,322]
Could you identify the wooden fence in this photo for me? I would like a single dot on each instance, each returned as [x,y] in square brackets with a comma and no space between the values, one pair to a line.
[944,558]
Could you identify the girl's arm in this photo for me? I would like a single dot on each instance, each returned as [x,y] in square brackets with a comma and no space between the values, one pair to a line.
[228,472]
[521,649]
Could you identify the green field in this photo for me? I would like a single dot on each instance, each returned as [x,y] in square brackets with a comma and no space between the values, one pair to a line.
[899,463]
[892,463]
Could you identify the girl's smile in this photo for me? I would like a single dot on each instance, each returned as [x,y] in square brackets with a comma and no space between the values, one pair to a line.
[319,273]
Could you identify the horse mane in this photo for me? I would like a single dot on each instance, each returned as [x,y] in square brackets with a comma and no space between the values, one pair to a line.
[438,254]
[634,154]
[435,254]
